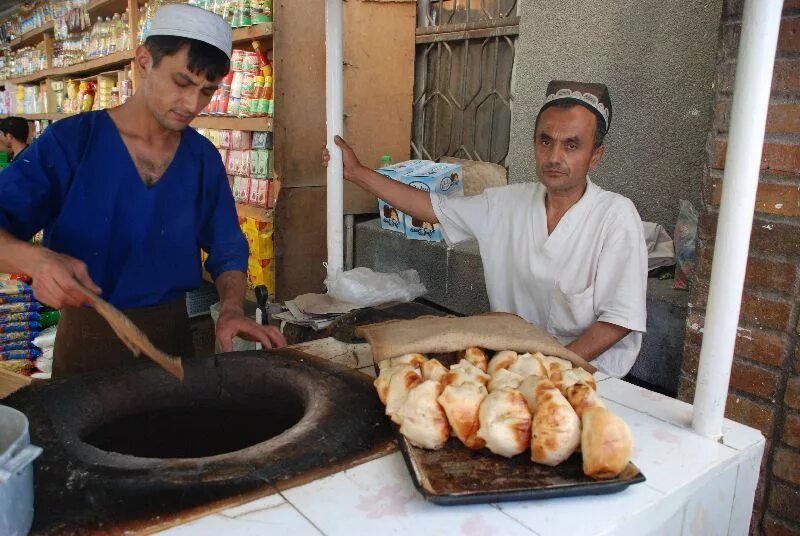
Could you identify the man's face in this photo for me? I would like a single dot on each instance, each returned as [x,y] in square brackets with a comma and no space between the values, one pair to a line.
[173,93]
[564,147]
[5,142]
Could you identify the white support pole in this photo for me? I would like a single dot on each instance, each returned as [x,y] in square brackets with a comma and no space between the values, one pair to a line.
[756,57]
[334,104]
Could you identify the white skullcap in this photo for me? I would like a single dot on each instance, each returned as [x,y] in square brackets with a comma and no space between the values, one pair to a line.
[182,20]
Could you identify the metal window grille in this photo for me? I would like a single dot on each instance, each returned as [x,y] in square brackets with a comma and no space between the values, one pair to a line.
[462,86]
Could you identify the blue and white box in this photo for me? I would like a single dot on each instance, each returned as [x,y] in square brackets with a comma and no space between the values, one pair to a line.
[392,218]
[443,179]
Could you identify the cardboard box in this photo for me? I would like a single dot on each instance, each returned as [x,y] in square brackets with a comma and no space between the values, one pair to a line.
[442,179]
[392,219]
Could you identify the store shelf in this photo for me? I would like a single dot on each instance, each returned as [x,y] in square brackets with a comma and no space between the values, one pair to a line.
[33,36]
[95,9]
[252,33]
[234,123]
[257,213]
[97,65]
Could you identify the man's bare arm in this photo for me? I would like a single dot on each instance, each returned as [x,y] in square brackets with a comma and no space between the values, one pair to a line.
[598,338]
[53,274]
[413,202]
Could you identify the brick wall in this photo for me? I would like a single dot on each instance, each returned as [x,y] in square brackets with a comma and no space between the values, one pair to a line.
[765,379]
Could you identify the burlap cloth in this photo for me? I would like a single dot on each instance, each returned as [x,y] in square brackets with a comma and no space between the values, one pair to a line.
[442,334]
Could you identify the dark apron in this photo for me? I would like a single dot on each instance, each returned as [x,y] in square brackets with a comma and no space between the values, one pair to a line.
[85,342]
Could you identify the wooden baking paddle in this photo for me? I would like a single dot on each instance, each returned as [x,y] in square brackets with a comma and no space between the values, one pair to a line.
[131,335]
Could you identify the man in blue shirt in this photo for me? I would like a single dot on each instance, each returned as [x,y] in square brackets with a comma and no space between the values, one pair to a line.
[127,198]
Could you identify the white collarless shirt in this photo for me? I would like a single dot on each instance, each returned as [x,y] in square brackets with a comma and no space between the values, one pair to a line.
[592,267]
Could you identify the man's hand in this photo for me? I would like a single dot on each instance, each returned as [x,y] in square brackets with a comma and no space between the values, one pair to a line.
[352,166]
[232,323]
[54,277]
[413,202]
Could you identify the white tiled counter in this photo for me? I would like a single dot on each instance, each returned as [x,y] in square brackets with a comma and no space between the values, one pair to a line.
[695,486]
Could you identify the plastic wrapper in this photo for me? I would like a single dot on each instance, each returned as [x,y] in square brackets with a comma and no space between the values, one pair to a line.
[19,326]
[16,298]
[47,339]
[18,317]
[31,353]
[366,288]
[15,336]
[19,307]
[685,239]
[14,287]
[20,366]
[17,345]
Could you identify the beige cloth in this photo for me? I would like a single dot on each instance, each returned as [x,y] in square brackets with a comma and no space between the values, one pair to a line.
[320,304]
[436,334]
[479,175]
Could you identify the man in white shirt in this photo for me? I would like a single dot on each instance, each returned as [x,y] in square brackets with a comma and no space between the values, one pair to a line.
[562,253]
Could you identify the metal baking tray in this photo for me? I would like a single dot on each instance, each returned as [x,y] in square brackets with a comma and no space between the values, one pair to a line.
[457,475]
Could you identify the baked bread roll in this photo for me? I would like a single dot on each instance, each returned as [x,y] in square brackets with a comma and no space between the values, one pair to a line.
[461,405]
[476,356]
[424,422]
[462,372]
[563,379]
[433,369]
[528,390]
[401,382]
[556,427]
[388,370]
[582,396]
[504,379]
[505,423]
[415,360]
[528,365]
[553,364]
[606,444]
[501,360]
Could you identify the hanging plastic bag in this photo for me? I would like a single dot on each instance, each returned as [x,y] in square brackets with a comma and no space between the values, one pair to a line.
[366,288]
[685,239]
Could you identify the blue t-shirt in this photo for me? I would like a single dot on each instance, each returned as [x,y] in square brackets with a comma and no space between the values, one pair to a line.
[142,245]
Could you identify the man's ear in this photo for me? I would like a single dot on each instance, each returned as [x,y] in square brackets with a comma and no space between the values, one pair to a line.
[142,61]
[597,155]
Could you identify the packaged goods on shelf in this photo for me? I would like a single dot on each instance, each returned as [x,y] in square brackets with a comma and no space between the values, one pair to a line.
[246,91]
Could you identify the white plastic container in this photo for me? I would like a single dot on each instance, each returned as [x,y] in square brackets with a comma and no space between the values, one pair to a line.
[16,473]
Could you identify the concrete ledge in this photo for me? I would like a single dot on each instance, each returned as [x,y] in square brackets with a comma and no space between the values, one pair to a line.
[454,279]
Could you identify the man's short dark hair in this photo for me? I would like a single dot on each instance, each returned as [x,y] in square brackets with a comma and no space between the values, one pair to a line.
[204,59]
[600,123]
[16,126]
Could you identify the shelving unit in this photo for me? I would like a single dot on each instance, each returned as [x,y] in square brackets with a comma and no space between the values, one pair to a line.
[379,63]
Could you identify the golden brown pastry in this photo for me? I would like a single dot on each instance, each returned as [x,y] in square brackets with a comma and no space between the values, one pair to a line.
[424,422]
[433,369]
[528,390]
[476,356]
[504,379]
[582,396]
[401,382]
[606,444]
[462,372]
[556,427]
[461,405]
[505,423]
[553,364]
[415,360]
[563,379]
[501,360]
[381,383]
[528,365]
